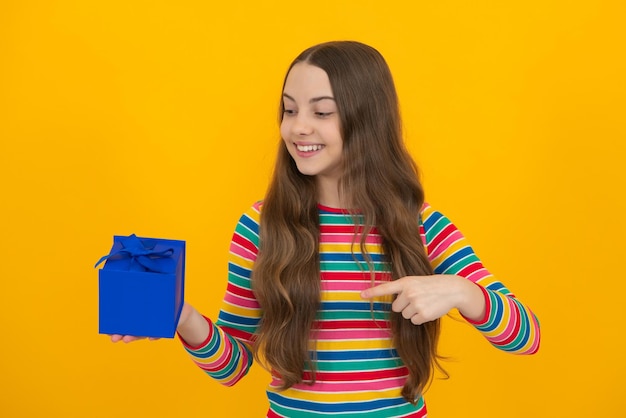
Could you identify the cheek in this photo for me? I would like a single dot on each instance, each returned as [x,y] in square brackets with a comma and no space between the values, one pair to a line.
[332,132]
[284,134]
[284,130]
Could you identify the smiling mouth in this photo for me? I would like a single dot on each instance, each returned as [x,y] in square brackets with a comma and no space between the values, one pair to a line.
[309,148]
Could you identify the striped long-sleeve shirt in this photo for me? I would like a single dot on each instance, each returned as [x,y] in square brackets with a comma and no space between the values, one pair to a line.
[358,371]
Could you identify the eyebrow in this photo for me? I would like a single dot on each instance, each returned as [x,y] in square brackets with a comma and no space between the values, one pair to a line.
[313,100]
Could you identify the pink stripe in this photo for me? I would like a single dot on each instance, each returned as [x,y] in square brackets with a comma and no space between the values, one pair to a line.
[512,314]
[236,378]
[352,386]
[339,286]
[535,346]
[232,379]
[239,301]
[216,364]
[352,334]
[347,239]
[478,275]
[445,244]
[242,252]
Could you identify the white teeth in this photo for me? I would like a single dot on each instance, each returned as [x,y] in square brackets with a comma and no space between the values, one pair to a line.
[309,148]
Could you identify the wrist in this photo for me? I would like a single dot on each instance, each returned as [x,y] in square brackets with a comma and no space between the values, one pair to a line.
[471,299]
[193,328]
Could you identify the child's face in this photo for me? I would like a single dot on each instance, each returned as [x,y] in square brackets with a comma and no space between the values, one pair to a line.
[310,125]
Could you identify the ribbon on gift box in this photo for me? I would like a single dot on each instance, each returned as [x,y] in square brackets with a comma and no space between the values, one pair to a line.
[142,257]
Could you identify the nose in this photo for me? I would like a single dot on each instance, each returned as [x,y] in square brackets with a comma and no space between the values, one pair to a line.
[301,125]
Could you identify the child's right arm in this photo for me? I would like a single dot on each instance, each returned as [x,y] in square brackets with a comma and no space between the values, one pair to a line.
[223,349]
[219,354]
[193,328]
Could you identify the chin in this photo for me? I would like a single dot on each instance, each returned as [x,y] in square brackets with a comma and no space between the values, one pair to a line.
[307,171]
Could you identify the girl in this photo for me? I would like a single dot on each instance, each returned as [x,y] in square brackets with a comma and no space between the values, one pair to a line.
[338,278]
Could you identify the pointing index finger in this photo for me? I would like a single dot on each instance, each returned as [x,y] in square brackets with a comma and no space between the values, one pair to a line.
[389,288]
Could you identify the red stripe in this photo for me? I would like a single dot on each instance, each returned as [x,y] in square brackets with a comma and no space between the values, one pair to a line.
[442,235]
[243,242]
[203,343]
[468,270]
[515,313]
[356,376]
[357,275]
[241,335]
[422,232]
[240,291]
[365,324]
[337,229]
[483,320]
[344,229]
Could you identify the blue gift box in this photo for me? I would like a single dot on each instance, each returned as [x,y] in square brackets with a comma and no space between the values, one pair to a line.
[141,287]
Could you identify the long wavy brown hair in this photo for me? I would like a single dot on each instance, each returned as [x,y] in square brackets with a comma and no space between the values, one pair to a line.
[381,181]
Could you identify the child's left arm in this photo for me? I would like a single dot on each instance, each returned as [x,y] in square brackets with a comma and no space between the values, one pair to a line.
[507,323]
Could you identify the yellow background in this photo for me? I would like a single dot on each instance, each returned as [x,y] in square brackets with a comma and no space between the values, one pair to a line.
[158,118]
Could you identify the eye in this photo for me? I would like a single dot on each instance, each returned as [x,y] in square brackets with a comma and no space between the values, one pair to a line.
[323,114]
[289,112]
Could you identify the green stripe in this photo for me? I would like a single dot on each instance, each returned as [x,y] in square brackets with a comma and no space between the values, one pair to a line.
[232,367]
[248,234]
[336,219]
[358,365]
[240,281]
[352,315]
[522,331]
[200,353]
[462,263]
[247,328]
[350,266]
[492,315]
[384,413]
[435,229]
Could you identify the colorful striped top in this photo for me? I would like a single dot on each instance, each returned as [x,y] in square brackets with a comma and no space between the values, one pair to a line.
[358,371]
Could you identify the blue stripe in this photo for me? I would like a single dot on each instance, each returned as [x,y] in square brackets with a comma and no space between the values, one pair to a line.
[432,219]
[464,252]
[522,338]
[354,306]
[250,223]
[228,370]
[235,319]
[213,346]
[498,287]
[360,406]
[495,318]
[328,256]
[325,212]
[234,268]
[356,355]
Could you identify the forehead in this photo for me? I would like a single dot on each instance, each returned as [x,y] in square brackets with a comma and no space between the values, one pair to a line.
[305,81]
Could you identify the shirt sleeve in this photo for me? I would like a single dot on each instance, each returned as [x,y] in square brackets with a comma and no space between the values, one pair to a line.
[508,324]
[226,354]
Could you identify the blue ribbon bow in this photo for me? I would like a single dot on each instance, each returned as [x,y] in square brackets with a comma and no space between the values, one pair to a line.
[142,257]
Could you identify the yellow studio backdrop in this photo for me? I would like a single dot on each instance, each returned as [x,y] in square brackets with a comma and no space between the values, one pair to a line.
[159,118]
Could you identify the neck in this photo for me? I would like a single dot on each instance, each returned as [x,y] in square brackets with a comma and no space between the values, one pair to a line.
[328,193]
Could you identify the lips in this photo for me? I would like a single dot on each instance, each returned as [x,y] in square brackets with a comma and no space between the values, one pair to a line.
[309,148]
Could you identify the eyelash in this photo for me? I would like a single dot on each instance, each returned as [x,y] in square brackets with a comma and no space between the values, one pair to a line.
[322,115]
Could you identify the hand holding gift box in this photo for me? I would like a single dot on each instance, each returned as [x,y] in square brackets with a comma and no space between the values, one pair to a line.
[141,287]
